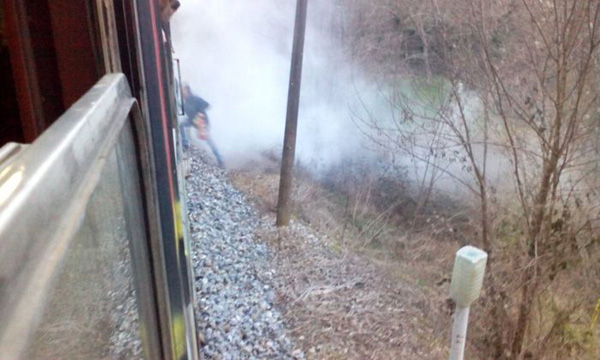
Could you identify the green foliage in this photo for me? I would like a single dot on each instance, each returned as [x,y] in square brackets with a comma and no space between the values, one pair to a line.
[422,95]
[336,247]
[508,232]
[576,338]
[433,93]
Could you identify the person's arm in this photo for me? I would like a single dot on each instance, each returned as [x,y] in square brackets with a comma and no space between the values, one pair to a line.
[203,104]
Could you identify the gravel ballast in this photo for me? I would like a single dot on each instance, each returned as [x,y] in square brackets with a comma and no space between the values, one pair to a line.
[233,277]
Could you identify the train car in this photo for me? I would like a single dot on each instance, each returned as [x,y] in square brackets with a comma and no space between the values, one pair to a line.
[93,249]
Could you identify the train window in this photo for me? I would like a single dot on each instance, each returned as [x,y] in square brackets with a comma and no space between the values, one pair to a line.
[91,311]
[75,278]
[177,87]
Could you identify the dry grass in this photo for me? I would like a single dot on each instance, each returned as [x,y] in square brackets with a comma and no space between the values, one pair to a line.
[346,294]
[340,305]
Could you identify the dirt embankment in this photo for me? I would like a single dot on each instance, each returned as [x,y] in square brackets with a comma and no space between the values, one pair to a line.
[343,298]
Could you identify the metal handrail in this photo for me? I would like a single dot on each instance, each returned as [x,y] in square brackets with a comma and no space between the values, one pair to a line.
[44,190]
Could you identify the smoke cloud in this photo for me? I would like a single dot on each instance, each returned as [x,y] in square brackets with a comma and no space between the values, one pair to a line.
[236,54]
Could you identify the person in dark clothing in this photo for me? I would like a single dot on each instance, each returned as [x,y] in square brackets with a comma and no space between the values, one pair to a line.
[195,117]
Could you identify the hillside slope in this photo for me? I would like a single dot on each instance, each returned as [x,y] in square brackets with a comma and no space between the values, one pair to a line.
[264,292]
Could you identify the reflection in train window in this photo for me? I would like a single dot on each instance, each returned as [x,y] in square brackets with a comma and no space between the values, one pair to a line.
[91,311]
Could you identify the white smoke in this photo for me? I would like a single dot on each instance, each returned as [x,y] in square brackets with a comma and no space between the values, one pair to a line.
[236,54]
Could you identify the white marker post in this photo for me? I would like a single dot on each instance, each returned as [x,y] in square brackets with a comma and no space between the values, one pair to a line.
[467,280]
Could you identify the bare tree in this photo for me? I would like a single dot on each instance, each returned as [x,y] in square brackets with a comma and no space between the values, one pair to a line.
[520,86]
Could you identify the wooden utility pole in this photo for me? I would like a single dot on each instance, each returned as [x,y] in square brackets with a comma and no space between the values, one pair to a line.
[291,121]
